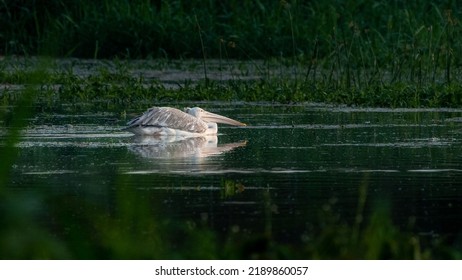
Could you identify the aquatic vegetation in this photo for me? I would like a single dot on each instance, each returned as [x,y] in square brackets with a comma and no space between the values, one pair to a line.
[124,84]
[230,188]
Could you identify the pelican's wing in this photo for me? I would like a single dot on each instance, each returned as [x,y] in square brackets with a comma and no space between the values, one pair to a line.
[171,118]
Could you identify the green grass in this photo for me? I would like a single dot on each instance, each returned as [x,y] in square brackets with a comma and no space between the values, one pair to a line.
[124,84]
[359,31]
[418,36]
[369,53]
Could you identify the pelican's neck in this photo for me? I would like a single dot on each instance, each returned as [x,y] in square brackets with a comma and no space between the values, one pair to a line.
[212,128]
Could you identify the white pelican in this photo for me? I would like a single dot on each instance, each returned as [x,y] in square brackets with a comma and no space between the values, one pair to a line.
[195,121]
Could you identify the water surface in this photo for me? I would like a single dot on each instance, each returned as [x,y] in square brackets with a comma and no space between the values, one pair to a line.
[276,177]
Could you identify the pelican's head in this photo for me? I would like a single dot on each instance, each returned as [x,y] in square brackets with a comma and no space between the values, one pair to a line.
[211,117]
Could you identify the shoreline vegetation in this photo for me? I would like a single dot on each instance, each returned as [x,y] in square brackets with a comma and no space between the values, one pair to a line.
[128,83]
[362,53]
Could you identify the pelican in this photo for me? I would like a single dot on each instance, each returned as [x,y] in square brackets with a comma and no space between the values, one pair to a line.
[159,121]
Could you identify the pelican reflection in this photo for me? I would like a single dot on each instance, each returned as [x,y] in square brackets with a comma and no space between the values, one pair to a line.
[171,147]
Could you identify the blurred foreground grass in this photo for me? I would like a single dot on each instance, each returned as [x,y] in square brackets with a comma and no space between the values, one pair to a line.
[72,227]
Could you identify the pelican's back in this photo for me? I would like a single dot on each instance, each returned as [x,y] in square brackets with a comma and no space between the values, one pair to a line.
[170,118]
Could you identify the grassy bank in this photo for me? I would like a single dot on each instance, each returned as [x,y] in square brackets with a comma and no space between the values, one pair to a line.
[127,83]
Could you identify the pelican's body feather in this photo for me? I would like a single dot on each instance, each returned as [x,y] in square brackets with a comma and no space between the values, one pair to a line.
[171,121]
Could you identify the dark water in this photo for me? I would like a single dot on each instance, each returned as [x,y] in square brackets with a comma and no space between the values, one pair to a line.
[273,177]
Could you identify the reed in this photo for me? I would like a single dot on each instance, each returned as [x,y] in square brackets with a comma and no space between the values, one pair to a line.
[262,28]
[115,85]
